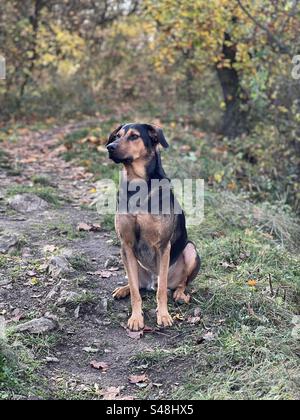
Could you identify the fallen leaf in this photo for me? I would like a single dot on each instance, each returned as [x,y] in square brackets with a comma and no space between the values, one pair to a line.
[136,335]
[31,273]
[185,148]
[178,317]
[95,227]
[250,310]
[193,320]
[197,312]
[17,315]
[49,248]
[225,264]
[32,282]
[252,283]
[209,336]
[84,227]
[135,379]
[99,365]
[126,397]
[110,393]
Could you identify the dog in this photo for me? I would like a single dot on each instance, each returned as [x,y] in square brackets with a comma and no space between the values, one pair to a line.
[155,248]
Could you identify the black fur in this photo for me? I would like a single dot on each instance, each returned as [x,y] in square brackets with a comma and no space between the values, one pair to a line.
[152,136]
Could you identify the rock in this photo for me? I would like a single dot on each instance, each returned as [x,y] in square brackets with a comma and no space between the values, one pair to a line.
[53,292]
[7,242]
[122,316]
[52,360]
[152,313]
[90,350]
[5,282]
[101,308]
[58,266]
[27,203]
[77,311]
[37,326]
[112,262]
[68,297]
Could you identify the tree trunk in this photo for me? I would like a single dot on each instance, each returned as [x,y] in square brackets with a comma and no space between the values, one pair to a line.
[235,116]
[34,20]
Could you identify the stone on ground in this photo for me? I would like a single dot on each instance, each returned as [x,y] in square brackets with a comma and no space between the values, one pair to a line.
[27,203]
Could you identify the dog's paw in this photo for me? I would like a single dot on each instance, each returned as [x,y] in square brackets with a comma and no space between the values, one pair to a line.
[135,322]
[164,319]
[180,297]
[121,292]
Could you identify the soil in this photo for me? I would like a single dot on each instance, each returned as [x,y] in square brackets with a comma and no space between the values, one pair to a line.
[85,324]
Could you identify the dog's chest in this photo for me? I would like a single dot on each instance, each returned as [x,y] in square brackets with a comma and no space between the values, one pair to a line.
[145,233]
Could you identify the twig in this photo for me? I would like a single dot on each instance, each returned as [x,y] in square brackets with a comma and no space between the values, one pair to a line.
[273,38]
[271,285]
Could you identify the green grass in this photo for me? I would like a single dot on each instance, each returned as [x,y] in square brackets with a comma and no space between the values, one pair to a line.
[79,262]
[18,368]
[41,180]
[253,354]
[4,160]
[248,288]
[3,261]
[65,230]
[47,193]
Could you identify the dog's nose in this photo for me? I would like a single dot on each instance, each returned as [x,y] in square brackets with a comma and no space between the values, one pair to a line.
[111,147]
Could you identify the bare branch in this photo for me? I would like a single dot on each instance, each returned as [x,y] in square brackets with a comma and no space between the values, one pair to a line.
[274,40]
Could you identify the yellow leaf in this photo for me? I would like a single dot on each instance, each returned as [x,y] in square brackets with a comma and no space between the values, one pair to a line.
[33,281]
[219,177]
[252,283]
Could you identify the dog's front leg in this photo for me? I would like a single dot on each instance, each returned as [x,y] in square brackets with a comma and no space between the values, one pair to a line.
[163,317]
[136,321]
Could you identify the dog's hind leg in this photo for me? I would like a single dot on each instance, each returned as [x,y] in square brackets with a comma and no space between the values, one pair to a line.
[186,269]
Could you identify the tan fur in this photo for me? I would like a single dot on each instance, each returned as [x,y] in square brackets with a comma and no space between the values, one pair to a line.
[155,233]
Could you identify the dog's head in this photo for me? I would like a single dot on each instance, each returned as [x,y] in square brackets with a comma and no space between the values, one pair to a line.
[130,142]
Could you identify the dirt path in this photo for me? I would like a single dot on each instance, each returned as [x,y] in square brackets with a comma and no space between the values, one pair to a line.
[89,322]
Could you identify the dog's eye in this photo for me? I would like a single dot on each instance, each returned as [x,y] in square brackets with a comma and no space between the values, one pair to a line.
[133,137]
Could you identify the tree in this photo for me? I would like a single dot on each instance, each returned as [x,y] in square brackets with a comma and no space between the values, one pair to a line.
[39,33]
[240,39]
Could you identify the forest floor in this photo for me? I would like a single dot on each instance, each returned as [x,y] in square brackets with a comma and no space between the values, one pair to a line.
[238,339]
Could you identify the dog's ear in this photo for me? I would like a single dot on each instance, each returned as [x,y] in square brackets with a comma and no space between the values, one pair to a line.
[157,136]
[112,135]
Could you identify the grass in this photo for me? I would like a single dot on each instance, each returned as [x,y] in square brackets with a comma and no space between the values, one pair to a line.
[47,193]
[41,180]
[248,294]
[65,230]
[3,261]
[248,290]
[4,160]
[79,262]
[18,368]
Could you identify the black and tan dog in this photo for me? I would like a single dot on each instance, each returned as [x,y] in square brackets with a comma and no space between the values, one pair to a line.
[155,248]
